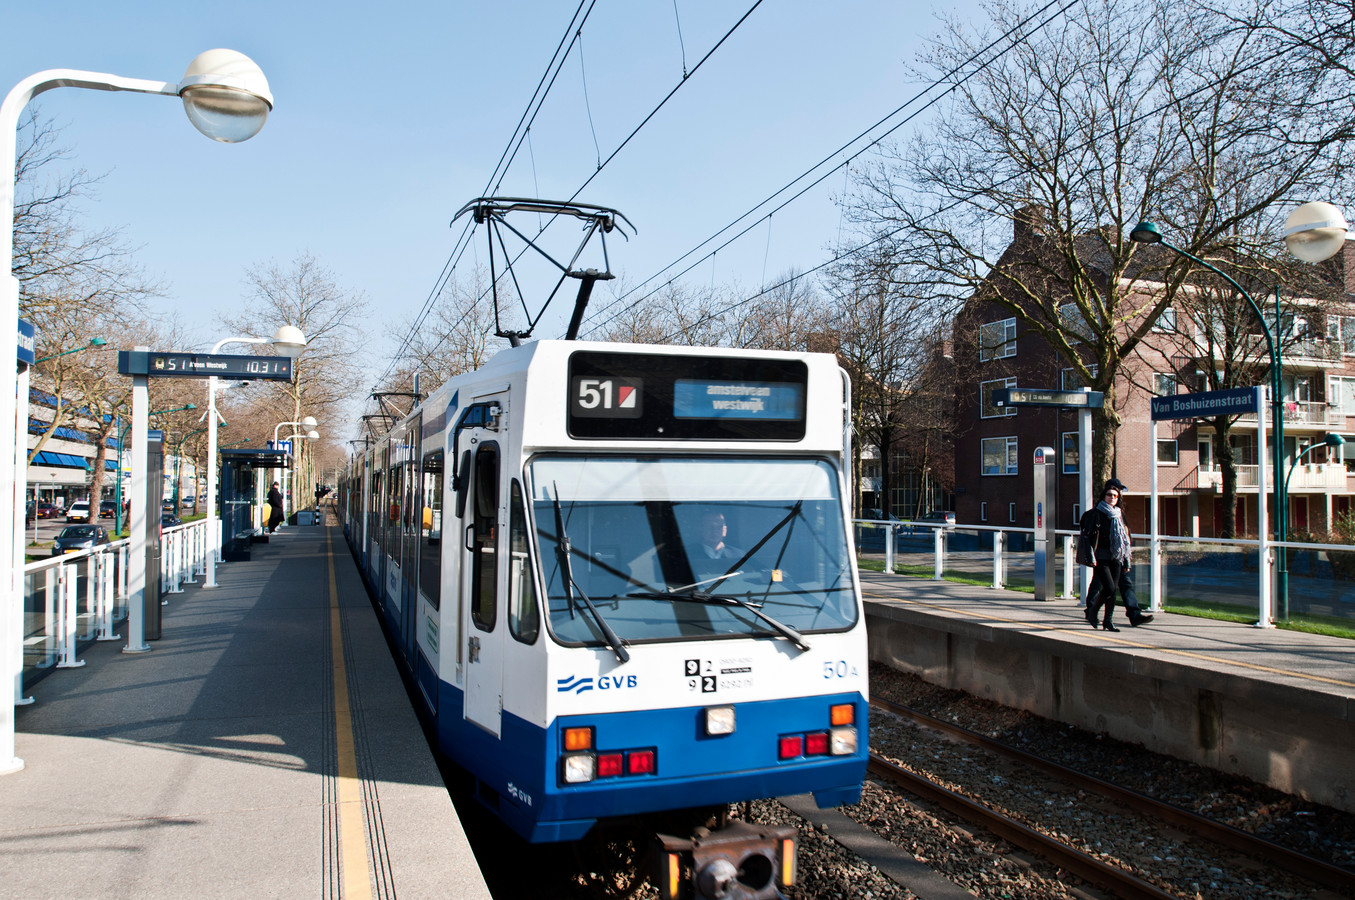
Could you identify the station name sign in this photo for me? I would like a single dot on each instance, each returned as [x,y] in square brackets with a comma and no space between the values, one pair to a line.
[1040,397]
[155,364]
[1205,404]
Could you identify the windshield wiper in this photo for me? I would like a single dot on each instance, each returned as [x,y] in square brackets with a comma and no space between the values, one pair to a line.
[691,595]
[562,551]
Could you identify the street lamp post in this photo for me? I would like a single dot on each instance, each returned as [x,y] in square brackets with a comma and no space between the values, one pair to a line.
[308,423]
[290,342]
[96,343]
[1313,232]
[226,98]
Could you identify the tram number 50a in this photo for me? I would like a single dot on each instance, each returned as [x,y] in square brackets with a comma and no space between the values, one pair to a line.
[606,397]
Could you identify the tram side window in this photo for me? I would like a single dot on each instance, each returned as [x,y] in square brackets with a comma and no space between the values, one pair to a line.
[430,530]
[374,508]
[524,618]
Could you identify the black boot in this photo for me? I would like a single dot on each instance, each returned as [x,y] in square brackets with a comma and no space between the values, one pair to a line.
[1137,618]
[1090,614]
[1107,626]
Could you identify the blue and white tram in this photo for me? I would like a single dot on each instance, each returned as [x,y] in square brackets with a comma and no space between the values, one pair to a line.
[621,578]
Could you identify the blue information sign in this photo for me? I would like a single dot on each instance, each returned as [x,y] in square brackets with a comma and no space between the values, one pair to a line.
[28,342]
[1205,404]
[695,398]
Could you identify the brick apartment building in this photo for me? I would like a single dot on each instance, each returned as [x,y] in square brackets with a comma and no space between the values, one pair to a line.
[995,447]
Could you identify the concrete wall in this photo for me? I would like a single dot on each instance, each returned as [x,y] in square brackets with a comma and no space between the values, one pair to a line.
[1296,740]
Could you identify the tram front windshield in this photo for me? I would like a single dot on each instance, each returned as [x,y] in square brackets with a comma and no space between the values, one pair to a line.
[684,549]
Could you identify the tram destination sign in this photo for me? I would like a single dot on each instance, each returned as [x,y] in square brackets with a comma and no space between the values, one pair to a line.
[1204,404]
[156,364]
[1041,397]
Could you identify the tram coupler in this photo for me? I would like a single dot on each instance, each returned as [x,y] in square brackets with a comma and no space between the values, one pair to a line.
[741,861]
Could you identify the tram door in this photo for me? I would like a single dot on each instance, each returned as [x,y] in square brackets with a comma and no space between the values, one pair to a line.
[481,631]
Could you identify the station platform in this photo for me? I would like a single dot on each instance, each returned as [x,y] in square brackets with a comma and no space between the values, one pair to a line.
[1273,705]
[264,747]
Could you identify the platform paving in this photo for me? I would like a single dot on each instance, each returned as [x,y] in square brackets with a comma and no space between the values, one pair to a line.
[215,765]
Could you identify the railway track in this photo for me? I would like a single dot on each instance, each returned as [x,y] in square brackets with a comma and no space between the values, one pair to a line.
[1113,878]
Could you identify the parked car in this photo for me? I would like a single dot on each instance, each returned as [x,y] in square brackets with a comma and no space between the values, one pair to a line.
[49,510]
[108,509]
[74,538]
[169,520]
[926,523]
[30,511]
[872,537]
[78,512]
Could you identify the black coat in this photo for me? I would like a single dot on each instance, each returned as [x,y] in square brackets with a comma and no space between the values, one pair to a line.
[275,506]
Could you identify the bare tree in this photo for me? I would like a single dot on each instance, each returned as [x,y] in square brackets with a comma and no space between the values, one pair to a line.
[1114,114]
[307,295]
[456,336]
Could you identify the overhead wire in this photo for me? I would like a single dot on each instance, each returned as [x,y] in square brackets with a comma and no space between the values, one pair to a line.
[939,81]
[511,149]
[601,165]
[959,201]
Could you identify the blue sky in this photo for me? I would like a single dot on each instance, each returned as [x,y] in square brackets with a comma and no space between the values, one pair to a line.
[388,120]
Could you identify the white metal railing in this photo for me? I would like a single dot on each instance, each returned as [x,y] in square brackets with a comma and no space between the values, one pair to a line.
[83,596]
[1234,576]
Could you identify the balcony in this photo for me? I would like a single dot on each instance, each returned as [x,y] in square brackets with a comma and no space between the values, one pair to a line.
[1308,353]
[1306,478]
[1303,415]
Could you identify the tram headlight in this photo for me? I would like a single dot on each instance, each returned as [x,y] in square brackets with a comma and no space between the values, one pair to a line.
[842,741]
[580,768]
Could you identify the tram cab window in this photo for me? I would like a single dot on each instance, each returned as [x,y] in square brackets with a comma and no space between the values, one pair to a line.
[430,530]
[524,618]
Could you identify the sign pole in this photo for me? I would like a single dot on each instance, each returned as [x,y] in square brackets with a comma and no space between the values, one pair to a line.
[1262,513]
[136,519]
[1154,539]
[1084,486]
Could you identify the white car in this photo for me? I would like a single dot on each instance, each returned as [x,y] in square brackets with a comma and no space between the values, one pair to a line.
[78,512]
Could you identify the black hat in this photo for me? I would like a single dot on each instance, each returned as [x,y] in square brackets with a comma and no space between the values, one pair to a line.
[1116,484]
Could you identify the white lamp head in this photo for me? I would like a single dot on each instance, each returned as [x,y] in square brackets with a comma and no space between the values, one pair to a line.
[289,340]
[313,436]
[308,423]
[1315,231]
[225,95]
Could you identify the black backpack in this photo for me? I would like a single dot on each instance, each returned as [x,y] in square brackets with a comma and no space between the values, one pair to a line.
[1086,539]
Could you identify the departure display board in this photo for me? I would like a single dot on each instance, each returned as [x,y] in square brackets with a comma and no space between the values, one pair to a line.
[156,364]
[643,396]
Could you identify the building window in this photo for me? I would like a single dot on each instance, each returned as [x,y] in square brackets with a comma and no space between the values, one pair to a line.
[1167,321]
[1070,380]
[999,456]
[983,511]
[1074,323]
[987,408]
[1164,385]
[997,340]
[1166,452]
[1011,512]
[1077,512]
[1070,453]
[1342,330]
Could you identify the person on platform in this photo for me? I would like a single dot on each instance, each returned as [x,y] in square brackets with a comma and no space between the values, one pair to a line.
[1112,556]
[274,508]
[1132,610]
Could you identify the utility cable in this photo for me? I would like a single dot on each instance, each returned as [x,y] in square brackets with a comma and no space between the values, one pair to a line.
[846,162]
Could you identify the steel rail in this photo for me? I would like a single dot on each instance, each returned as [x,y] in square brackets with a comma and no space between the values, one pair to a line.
[1225,835]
